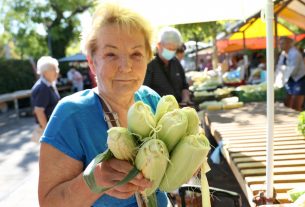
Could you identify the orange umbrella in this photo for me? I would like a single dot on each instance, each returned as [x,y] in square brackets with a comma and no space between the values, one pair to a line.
[252,36]
[226,45]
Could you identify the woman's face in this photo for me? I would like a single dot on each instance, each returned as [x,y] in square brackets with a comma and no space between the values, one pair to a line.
[50,75]
[119,62]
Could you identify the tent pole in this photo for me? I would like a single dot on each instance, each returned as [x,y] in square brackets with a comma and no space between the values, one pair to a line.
[270,98]
[275,38]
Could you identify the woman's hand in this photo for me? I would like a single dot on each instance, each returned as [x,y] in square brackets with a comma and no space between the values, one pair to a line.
[108,173]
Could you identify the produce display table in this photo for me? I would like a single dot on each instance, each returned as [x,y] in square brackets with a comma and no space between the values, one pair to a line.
[243,134]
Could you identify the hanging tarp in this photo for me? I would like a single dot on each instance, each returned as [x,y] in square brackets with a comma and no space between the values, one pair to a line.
[294,12]
[226,45]
[79,57]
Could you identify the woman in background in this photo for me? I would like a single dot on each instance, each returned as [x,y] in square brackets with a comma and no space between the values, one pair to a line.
[44,93]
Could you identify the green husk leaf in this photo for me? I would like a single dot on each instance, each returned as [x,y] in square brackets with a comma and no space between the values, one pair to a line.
[140,120]
[166,104]
[193,120]
[121,143]
[192,147]
[173,126]
[151,160]
[88,174]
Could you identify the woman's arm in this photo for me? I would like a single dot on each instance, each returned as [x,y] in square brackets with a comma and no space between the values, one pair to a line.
[41,116]
[61,182]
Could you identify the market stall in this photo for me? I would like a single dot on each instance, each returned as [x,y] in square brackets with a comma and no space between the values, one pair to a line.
[242,133]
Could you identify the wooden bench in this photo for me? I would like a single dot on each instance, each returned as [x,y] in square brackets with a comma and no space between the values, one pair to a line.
[243,134]
[15,96]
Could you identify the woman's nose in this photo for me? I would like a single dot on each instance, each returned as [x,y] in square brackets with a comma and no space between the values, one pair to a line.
[125,64]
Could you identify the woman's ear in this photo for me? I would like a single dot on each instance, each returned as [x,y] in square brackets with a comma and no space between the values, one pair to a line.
[91,64]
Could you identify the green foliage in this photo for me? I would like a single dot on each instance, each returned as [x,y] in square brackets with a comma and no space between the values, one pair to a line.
[203,31]
[15,75]
[35,25]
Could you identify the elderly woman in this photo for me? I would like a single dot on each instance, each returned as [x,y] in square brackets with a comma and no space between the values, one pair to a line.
[118,50]
[44,93]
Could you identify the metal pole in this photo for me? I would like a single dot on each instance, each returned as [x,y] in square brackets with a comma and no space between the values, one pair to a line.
[270,97]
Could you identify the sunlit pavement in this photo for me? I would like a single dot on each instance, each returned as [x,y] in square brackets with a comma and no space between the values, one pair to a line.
[18,162]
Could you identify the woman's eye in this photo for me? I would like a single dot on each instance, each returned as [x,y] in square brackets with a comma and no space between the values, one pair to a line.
[137,55]
[110,54]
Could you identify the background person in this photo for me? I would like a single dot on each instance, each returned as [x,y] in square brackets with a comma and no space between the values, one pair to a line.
[44,92]
[165,73]
[118,50]
[292,70]
[180,54]
[76,79]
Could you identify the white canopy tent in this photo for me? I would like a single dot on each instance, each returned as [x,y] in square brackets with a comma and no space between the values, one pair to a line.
[169,12]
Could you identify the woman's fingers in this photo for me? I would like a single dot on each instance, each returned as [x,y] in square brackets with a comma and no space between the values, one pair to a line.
[110,172]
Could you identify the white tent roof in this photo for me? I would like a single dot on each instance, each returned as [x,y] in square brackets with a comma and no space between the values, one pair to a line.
[168,12]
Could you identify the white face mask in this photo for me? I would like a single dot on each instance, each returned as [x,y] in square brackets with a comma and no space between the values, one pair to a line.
[167,54]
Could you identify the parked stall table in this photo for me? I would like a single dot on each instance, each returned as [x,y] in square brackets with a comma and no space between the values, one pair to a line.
[243,134]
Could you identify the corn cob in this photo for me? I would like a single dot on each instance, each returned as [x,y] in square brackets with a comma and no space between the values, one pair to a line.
[152,160]
[140,120]
[121,143]
[180,169]
[232,105]
[193,120]
[166,104]
[173,126]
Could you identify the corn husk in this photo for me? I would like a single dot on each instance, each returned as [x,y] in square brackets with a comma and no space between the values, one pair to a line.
[232,105]
[193,120]
[152,159]
[295,193]
[121,143]
[166,104]
[173,126]
[140,120]
[185,160]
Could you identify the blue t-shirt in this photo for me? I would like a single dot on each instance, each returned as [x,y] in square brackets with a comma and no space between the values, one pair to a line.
[78,129]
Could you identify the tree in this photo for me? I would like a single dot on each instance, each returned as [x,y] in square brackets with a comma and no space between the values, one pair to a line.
[52,24]
[205,31]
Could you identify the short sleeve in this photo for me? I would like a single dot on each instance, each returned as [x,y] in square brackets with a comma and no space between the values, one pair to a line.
[41,97]
[62,132]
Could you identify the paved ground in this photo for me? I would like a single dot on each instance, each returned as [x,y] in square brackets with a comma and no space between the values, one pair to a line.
[19,165]
[18,162]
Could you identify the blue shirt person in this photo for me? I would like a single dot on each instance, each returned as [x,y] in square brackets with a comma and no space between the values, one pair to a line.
[118,50]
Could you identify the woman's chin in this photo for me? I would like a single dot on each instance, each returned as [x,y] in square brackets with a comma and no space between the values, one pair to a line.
[126,87]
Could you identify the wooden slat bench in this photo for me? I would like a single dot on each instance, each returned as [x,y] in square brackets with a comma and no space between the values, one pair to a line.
[243,134]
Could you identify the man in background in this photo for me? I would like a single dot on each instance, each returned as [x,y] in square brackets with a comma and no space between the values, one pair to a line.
[76,79]
[290,72]
[165,73]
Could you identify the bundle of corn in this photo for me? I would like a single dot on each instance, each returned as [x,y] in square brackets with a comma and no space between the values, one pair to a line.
[159,146]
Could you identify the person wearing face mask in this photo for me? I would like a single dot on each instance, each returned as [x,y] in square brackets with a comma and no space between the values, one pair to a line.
[165,73]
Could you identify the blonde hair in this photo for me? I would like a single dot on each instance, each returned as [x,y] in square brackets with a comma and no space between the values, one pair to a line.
[46,63]
[114,14]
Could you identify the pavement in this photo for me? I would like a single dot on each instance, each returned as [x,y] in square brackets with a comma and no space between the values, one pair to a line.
[18,161]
